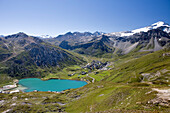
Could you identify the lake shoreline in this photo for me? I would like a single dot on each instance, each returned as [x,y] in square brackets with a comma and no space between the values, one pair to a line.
[49,86]
[64,79]
[22,87]
[45,79]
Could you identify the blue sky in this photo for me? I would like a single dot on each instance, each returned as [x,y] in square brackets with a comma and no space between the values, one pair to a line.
[54,17]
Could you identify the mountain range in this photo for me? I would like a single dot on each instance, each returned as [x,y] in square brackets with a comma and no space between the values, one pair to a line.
[150,38]
[20,51]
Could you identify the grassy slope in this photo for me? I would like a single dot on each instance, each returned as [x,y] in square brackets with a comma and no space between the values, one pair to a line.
[113,93]
[5,80]
[112,97]
[131,70]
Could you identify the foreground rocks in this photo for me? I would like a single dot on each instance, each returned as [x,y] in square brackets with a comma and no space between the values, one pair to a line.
[163,97]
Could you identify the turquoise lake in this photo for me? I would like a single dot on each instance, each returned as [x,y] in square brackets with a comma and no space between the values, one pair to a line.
[49,85]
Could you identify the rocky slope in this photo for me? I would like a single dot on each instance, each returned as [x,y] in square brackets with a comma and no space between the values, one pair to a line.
[152,40]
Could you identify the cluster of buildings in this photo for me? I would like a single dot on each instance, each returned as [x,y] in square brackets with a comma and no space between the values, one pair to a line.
[95,65]
[10,88]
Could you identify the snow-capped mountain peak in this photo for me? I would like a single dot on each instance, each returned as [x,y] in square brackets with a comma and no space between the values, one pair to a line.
[158,24]
[46,36]
[97,33]
[165,27]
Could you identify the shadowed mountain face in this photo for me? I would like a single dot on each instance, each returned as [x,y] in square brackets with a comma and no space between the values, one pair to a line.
[24,54]
[95,47]
[13,45]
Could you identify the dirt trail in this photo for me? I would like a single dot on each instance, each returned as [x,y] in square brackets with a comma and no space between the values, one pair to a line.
[14,53]
[91,78]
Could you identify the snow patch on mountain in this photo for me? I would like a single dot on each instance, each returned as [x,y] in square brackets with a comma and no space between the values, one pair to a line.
[45,36]
[144,29]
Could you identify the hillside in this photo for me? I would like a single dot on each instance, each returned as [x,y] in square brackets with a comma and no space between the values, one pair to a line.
[26,56]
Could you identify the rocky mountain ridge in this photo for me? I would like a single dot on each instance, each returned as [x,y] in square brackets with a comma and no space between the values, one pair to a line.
[151,38]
